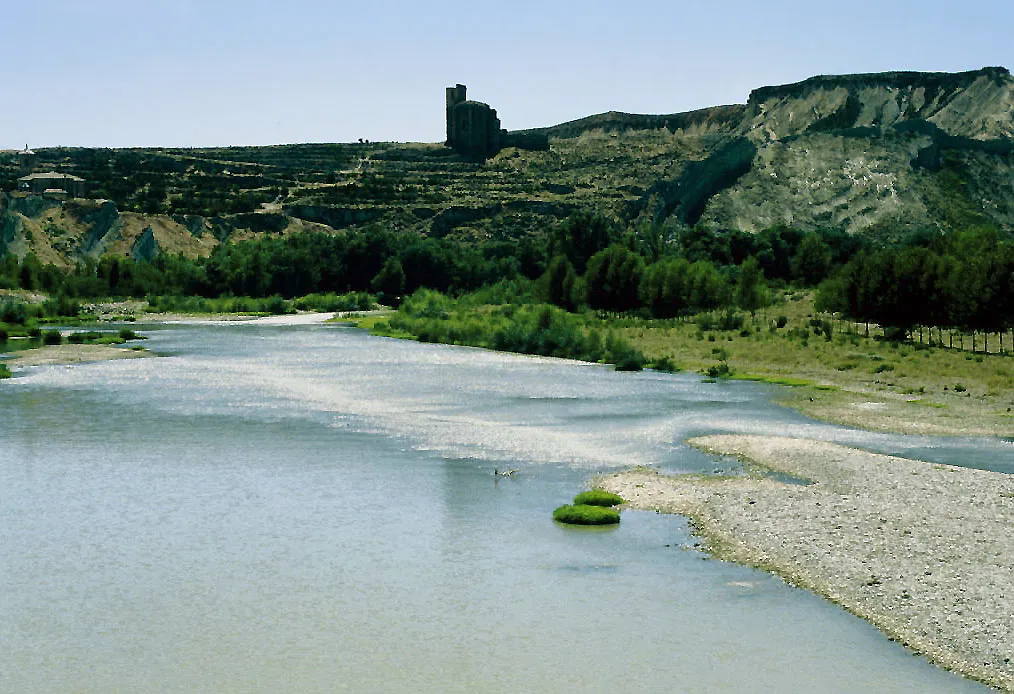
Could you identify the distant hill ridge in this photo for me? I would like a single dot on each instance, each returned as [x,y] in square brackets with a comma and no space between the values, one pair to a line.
[882,154]
[896,80]
[917,95]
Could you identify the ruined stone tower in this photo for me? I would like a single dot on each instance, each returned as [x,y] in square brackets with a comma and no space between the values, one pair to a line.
[473,128]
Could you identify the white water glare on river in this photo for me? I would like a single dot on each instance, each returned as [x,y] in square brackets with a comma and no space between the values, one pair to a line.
[284,505]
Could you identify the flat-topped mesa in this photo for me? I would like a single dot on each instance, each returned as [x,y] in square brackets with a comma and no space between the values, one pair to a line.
[895,80]
[977,104]
[473,128]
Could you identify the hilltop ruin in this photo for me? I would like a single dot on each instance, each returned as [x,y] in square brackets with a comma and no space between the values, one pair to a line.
[473,128]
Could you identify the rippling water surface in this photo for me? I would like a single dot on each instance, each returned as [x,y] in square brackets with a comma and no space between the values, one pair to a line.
[274,506]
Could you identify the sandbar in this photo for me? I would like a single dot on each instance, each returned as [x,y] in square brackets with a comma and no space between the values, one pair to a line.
[923,551]
[71,354]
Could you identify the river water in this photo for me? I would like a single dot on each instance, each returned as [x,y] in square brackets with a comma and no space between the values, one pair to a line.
[282,505]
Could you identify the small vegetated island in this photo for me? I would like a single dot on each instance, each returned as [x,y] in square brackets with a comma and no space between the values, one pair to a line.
[595,507]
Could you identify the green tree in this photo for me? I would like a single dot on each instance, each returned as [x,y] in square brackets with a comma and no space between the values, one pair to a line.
[812,260]
[389,283]
[30,273]
[613,279]
[751,290]
[580,237]
[559,280]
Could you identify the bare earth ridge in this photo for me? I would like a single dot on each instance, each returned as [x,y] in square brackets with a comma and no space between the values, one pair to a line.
[925,552]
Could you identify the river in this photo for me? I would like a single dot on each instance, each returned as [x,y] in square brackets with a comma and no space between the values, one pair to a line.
[284,505]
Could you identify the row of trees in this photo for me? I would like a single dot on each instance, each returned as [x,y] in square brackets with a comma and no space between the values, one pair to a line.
[964,281]
[296,265]
[618,280]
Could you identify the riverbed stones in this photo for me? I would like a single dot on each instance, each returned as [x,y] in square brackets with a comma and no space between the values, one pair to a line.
[923,551]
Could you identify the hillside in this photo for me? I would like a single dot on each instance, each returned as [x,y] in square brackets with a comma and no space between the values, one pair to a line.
[879,154]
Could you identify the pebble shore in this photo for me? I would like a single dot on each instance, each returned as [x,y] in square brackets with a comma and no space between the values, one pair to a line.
[925,552]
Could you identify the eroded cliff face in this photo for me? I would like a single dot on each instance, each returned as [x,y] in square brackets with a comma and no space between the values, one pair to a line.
[882,154]
[977,104]
[64,233]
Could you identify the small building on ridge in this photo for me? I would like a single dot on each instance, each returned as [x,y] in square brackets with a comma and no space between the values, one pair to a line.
[52,184]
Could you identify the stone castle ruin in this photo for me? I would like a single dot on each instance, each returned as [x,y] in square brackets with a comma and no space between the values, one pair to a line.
[473,128]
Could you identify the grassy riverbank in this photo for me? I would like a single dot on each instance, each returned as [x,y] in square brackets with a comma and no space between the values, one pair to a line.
[832,371]
[829,370]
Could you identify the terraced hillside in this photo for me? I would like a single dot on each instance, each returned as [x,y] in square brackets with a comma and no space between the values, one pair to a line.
[883,154]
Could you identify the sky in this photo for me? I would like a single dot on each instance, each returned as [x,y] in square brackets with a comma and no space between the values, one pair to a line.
[195,73]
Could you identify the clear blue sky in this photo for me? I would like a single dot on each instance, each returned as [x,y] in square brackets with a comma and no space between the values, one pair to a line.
[218,72]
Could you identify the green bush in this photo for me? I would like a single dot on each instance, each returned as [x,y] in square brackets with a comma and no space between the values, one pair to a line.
[720,370]
[128,334]
[665,364]
[61,306]
[5,372]
[586,515]
[331,303]
[598,497]
[276,305]
[52,337]
[528,329]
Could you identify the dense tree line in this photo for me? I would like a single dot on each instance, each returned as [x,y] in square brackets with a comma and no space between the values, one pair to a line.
[964,281]
[592,263]
[291,266]
[585,261]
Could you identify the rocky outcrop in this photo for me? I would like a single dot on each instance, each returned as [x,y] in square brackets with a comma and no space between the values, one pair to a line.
[10,227]
[686,197]
[103,224]
[977,104]
[145,246]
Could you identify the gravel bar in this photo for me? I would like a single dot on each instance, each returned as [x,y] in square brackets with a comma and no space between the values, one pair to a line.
[923,551]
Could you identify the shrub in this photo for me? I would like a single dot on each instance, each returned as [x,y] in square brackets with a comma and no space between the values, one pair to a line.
[586,515]
[730,321]
[276,305]
[665,364]
[598,497]
[721,370]
[61,306]
[14,312]
[781,321]
[959,388]
[128,334]
[5,372]
[330,303]
[52,337]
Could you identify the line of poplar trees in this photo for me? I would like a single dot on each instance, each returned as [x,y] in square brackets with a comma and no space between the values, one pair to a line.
[964,281]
